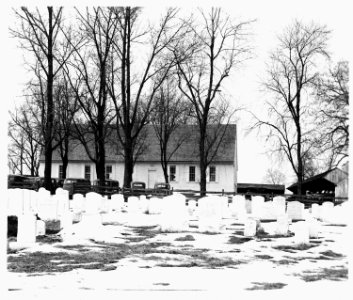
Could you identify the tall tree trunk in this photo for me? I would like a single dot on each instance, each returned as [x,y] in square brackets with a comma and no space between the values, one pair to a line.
[129,163]
[48,151]
[203,160]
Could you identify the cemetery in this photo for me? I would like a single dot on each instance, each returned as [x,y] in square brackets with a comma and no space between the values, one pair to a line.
[145,244]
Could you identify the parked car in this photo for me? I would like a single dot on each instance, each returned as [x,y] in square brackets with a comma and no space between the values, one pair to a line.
[162,189]
[77,186]
[137,188]
[38,182]
[19,181]
[110,187]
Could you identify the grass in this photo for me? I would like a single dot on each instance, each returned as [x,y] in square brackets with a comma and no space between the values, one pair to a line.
[264,256]
[290,248]
[336,274]
[266,286]
[331,253]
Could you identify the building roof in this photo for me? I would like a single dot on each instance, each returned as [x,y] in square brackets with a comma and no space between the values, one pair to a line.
[319,181]
[260,188]
[187,152]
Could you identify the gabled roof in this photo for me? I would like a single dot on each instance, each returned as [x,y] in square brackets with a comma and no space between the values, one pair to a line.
[187,152]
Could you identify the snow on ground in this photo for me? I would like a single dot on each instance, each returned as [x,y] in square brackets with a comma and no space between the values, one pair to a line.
[126,257]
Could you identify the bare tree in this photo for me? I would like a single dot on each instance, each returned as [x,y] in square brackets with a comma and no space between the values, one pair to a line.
[87,73]
[218,46]
[39,33]
[135,79]
[333,101]
[274,176]
[26,145]
[291,74]
[170,111]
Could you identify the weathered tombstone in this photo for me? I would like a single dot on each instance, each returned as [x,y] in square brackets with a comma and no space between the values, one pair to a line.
[301,233]
[250,226]
[106,207]
[133,204]
[268,212]
[210,214]
[47,205]
[315,210]
[93,203]
[327,211]
[238,207]
[63,204]
[143,204]
[248,206]
[77,203]
[174,215]
[40,228]
[282,225]
[279,205]
[313,227]
[257,206]
[117,202]
[295,210]
[27,229]
[15,202]
[155,205]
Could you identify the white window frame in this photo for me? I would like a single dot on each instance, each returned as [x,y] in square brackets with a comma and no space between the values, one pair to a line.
[108,174]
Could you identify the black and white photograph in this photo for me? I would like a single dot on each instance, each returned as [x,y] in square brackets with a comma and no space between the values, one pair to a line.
[175,149]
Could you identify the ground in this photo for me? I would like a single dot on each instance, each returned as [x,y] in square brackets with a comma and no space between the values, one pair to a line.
[124,258]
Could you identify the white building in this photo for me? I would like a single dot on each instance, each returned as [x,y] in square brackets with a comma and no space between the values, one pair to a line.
[184,171]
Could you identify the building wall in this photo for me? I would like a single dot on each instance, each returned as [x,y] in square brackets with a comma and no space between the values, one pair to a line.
[150,173]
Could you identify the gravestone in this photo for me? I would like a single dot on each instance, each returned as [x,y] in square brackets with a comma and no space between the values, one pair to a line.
[133,204]
[40,228]
[117,202]
[313,227]
[282,225]
[327,211]
[66,221]
[192,208]
[143,204]
[239,207]
[47,205]
[174,215]
[268,212]
[210,214]
[77,203]
[63,204]
[250,226]
[15,202]
[279,205]
[93,203]
[295,210]
[316,210]
[248,206]
[301,232]
[106,207]
[257,203]
[155,205]
[27,229]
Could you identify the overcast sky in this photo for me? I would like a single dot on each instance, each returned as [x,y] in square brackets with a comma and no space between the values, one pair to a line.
[243,86]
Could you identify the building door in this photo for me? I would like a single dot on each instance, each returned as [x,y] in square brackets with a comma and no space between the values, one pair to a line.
[151,178]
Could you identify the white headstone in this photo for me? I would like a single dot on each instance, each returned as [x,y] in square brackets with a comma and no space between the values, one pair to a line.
[66,221]
[295,210]
[210,211]
[40,228]
[268,211]
[282,225]
[174,214]
[327,211]
[93,203]
[250,225]
[106,207]
[257,203]
[313,227]
[301,233]
[117,202]
[133,204]
[77,203]
[279,205]
[27,229]
[63,203]
[316,210]
[238,207]
[155,205]
[47,205]
[248,206]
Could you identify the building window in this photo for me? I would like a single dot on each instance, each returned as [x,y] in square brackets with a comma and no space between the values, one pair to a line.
[61,171]
[108,171]
[191,173]
[212,173]
[172,172]
[88,172]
